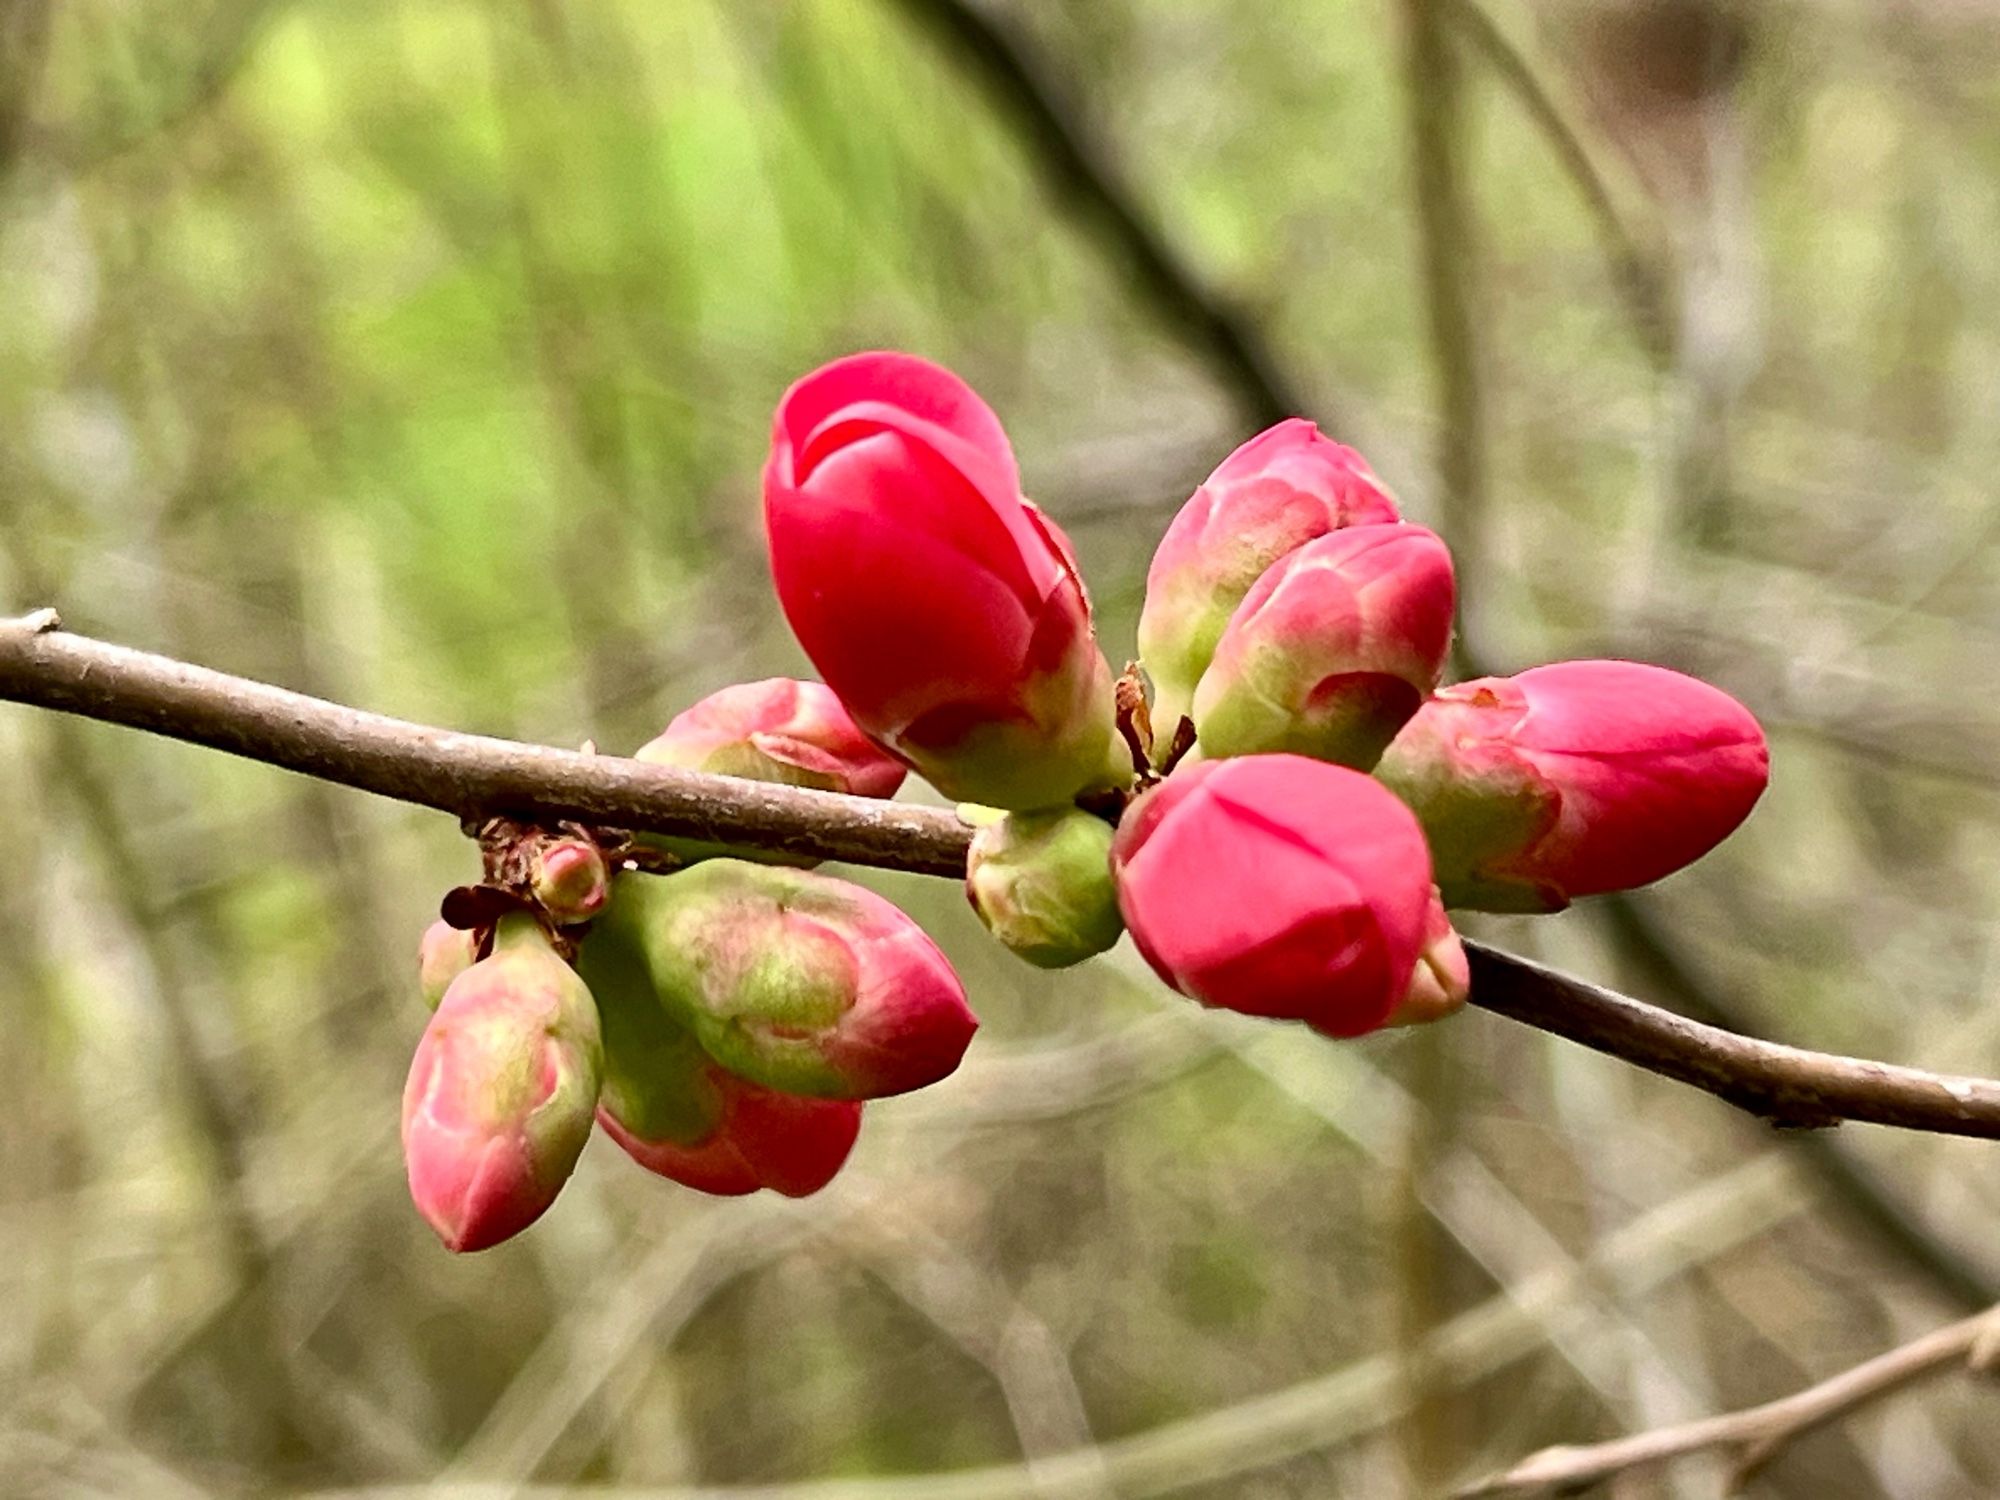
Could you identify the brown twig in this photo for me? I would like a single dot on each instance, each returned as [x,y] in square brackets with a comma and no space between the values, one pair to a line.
[1788,1086]
[467,774]
[1757,1434]
[474,776]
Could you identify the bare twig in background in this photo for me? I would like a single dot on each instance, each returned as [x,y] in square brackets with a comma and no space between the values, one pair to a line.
[1085,182]
[1757,1434]
[987,1320]
[24,28]
[1354,1097]
[41,664]
[638,1306]
[225,42]
[1449,246]
[1448,250]
[1311,1416]
[1635,270]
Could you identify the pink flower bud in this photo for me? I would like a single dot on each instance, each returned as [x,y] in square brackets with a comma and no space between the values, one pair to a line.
[777,730]
[444,953]
[1041,882]
[803,983]
[570,880]
[944,610]
[756,1138]
[679,1113]
[1574,779]
[1277,886]
[1271,496]
[1442,979]
[1333,649]
[502,1091]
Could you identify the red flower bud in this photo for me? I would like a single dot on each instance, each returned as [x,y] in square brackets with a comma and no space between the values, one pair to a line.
[1277,886]
[569,878]
[444,953]
[1271,496]
[804,983]
[755,1138]
[501,1091]
[1574,779]
[943,608]
[1333,648]
[673,1108]
[777,730]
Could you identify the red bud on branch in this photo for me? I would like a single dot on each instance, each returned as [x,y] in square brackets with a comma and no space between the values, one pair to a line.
[1277,886]
[945,610]
[501,1091]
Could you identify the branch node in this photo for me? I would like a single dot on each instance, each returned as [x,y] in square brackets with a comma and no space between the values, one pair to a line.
[1983,1358]
[35,622]
[1135,721]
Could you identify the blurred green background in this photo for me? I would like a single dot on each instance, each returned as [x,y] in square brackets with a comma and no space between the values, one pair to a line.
[420,354]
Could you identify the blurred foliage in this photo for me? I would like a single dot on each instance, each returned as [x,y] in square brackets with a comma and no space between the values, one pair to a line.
[419,354]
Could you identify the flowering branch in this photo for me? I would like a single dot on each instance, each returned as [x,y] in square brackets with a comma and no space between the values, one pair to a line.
[1757,1434]
[467,774]
[475,776]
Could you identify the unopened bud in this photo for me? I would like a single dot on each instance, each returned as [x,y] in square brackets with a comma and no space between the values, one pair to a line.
[944,609]
[676,1111]
[1333,648]
[1279,886]
[502,1091]
[1041,882]
[569,879]
[777,730]
[1271,496]
[803,983]
[1574,779]
[756,1138]
[444,953]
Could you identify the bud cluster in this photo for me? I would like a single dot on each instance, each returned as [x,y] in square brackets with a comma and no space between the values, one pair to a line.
[1282,829]
[1306,629]
[722,1024]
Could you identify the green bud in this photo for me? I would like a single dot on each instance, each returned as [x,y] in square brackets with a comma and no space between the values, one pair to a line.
[654,1069]
[570,880]
[1042,884]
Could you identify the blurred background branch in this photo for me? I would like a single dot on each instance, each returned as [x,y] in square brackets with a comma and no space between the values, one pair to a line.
[1083,180]
[1757,1435]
